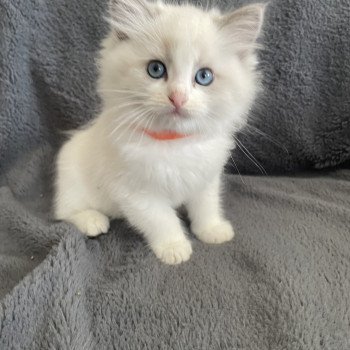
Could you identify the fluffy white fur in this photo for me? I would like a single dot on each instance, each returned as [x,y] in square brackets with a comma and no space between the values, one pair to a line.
[111,169]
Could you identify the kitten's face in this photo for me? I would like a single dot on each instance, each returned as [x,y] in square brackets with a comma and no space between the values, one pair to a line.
[179,68]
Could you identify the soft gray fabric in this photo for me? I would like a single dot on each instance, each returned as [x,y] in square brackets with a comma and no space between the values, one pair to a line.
[302,119]
[48,50]
[283,283]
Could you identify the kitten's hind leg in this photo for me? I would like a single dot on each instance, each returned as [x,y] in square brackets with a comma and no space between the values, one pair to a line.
[90,222]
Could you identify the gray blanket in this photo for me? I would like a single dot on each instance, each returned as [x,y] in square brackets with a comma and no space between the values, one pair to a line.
[283,283]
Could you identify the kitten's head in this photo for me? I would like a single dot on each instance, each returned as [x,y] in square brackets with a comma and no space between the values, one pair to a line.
[178,67]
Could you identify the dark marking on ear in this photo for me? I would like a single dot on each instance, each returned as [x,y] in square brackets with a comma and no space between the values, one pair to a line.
[121,36]
[127,16]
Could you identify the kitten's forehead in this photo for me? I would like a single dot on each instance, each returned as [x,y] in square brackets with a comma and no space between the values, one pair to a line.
[185,32]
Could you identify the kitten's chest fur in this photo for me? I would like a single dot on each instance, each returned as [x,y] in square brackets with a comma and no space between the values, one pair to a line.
[175,170]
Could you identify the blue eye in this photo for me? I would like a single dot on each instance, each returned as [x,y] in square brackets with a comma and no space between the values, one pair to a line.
[204,77]
[156,69]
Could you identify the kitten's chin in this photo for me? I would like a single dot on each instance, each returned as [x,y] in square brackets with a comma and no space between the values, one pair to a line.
[182,122]
[176,123]
[175,114]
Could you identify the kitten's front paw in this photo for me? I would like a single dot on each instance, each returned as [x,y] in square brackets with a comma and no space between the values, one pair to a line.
[91,222]
[173,253]
[217,233]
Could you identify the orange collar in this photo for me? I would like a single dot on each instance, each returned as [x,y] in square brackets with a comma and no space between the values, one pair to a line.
[165,135]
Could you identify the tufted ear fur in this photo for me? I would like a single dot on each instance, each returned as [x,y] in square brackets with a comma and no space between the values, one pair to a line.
[127,16]
[242,27]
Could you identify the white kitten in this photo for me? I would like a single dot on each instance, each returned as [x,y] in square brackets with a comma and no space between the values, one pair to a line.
[176,83]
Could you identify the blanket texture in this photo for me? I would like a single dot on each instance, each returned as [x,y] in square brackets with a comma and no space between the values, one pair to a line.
[302,118]
[283,283]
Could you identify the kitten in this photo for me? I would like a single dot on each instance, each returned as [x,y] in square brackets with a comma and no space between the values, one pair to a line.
[176,83]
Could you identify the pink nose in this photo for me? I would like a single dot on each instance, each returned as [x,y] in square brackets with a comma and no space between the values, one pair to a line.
[178,99]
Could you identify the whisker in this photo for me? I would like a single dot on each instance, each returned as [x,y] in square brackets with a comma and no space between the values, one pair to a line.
[250,156]
[143,131]
[271,139]
[126,118]
[119,126]
[106,112]
[234,163]
[139,120]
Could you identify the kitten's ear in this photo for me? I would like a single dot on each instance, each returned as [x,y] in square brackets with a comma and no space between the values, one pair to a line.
[243,27]
[127,16]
